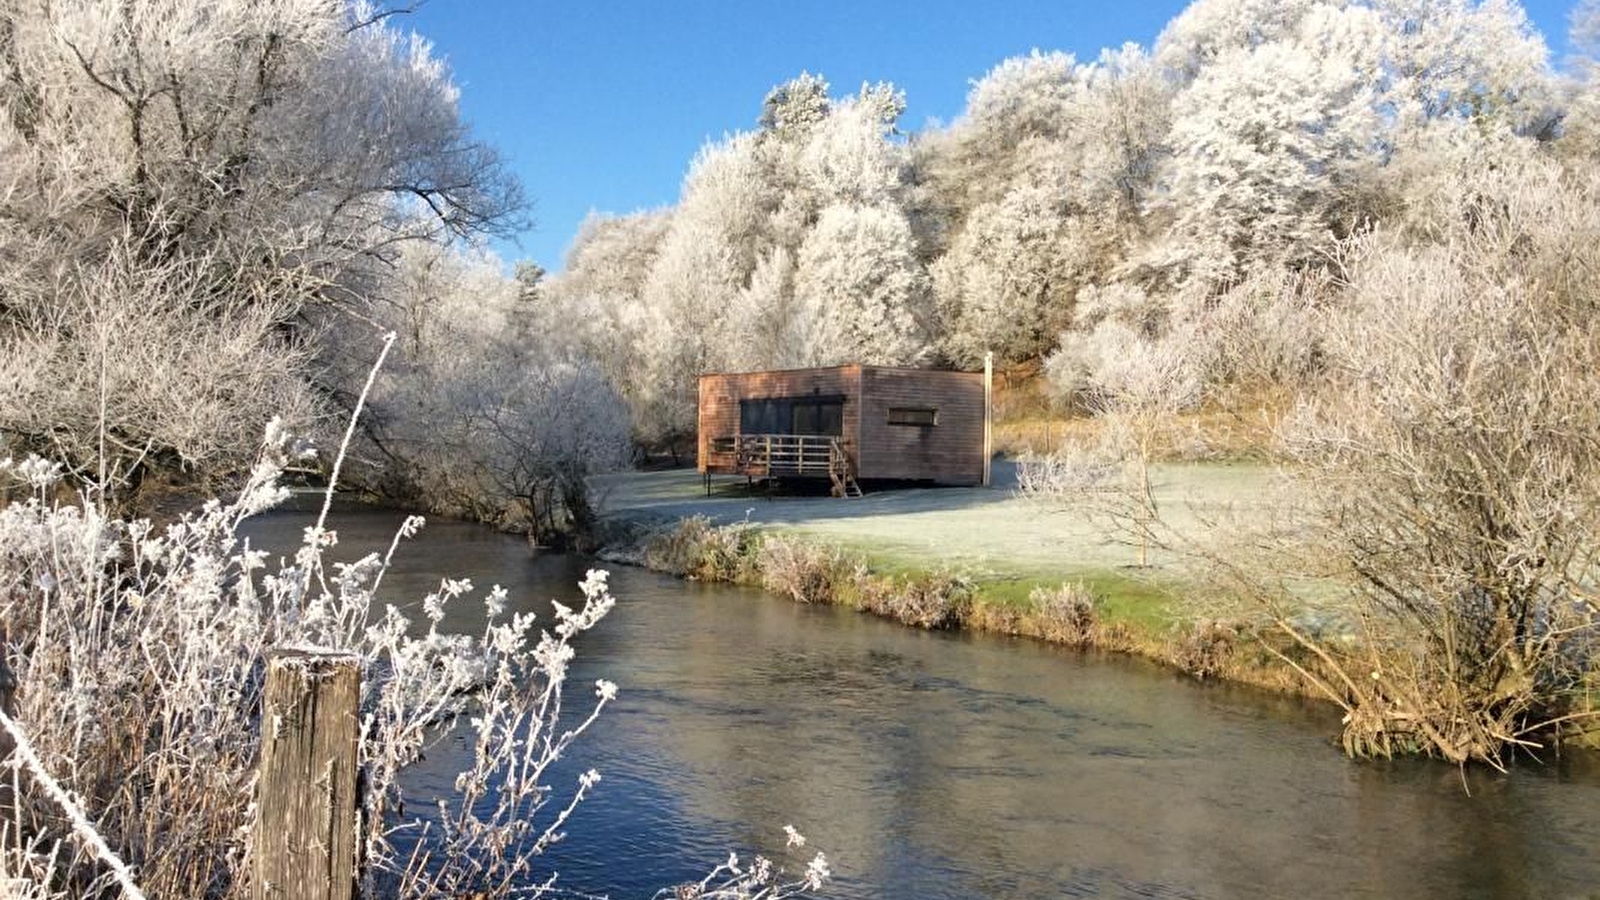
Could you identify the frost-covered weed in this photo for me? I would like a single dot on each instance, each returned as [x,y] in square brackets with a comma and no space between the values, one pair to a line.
[1066,613]
[141,652]
[1074,468]
[934,601]
[804,572]
[676,551]
[1204,647]
[695,548]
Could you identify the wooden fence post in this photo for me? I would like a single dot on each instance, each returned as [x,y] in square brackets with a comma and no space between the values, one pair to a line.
[304,846]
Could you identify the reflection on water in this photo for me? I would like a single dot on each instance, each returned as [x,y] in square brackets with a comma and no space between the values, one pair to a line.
[950,766]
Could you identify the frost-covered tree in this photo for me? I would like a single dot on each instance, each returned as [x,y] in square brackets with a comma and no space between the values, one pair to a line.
[1463,59]
[275,152]
[611,256]
[1038,190]
[999,184]
[1287,108]
[304,126]
[763,326]
[1436,175]
[797,105]
[1266,140]
[1123,121]
[848,157]
[592,307]
[479,417]
[702,262]
[1006,281]
[1207,30]
[860,293]
[1581,127]
[721,289]
[858,290]
[1015,114]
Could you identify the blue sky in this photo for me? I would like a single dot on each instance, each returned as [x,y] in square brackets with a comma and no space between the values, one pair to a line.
[601,105]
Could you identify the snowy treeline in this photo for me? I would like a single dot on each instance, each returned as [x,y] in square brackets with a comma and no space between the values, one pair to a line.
[1191,199]
[211,213]
[208,217]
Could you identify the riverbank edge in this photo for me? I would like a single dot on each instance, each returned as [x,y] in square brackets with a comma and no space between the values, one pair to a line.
[1069,609]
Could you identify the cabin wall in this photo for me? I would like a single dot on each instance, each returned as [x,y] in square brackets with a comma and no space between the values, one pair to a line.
[948,452]
[720,395]
[717,416]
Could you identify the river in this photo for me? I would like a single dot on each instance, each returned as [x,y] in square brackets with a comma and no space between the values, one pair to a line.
[939,766]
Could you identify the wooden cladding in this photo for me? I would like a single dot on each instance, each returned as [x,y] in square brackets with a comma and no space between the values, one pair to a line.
[892,423]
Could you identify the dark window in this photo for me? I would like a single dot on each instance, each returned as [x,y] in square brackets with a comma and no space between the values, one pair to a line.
[761,416]
[830,419]
[817,417]
[913,415]
[792,415]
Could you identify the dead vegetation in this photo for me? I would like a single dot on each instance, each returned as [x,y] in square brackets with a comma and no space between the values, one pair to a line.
[1233,423]
[1068,614]
[1448,472]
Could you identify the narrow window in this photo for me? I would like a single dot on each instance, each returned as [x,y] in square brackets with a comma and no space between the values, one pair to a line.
[913,415]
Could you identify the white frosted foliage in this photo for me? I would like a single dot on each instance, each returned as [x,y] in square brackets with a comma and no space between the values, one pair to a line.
[859,293]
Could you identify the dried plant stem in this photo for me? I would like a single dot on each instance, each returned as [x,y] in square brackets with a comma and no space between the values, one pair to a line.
[350,430]
[81,826]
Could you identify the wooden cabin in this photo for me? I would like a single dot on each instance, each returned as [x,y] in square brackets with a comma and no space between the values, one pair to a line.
[846,423]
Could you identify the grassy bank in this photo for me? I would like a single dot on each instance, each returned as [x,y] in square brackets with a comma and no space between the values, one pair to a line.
[986,559]
[1107,609]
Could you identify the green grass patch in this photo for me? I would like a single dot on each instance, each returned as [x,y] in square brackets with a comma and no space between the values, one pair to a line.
[1143,604]
[1143,601]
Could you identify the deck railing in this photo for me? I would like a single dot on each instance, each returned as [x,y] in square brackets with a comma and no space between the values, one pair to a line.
[792,455]
[784,454]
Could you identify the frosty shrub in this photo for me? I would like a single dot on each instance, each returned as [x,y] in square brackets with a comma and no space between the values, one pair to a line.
[1120,362]
[1451,464]
[121,366]
[1136,386]
[696,548]
[935,601]
[486,411]
[805,572]
[1066,613]
[676,550]
[141,655]
[1075,469]
[1265,330]
[1202,648]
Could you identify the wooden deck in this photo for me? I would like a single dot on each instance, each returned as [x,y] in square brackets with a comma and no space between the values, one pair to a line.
[792,456]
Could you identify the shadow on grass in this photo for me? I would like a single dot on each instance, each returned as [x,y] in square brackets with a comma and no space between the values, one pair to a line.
[674,494]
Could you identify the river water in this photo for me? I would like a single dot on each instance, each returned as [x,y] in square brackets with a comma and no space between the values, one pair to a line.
[936,766]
